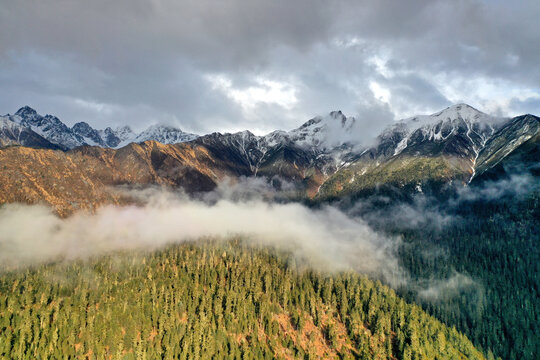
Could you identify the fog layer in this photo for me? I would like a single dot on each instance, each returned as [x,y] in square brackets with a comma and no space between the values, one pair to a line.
[326,238]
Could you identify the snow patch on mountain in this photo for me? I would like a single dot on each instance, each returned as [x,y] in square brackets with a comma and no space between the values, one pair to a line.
[7,125]
[10,131]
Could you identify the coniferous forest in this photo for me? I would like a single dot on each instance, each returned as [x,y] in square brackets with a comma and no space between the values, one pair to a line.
[495,244]
[212,300]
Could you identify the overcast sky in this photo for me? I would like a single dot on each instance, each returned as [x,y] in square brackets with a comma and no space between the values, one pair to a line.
[262,65]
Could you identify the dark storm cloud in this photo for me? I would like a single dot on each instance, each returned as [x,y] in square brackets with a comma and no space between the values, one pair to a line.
[209,65]
[216,33]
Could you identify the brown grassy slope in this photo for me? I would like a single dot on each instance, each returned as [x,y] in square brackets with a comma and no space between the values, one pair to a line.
[83,178]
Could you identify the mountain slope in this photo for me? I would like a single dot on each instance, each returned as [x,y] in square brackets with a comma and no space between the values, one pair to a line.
[275,155]
[212,301]
[509,138]
[83,178]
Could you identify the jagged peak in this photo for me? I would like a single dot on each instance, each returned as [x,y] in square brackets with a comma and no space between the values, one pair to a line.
[461,111]
[107,131]
[26,111]
[337,114]
[158,129]
[81,125]
[329,120]
[529,116]
[166,134]
[242,133]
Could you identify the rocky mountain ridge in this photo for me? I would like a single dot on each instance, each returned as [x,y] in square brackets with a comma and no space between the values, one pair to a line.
[322,159]
[63,137]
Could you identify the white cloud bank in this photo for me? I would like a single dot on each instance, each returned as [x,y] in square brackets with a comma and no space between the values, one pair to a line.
[327,238]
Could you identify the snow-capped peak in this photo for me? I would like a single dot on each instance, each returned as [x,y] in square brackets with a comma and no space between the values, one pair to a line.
[454,112]
[325,132]
[89,134]
[165,134]
[457,120]
[119,136]
[124,133]
[48,126]
[26,111]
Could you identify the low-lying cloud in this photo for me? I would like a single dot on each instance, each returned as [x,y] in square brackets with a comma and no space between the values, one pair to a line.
[516,185]
[327,238]
[453,286]
[421,212]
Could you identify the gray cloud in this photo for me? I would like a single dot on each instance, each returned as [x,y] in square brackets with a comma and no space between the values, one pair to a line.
[141,62]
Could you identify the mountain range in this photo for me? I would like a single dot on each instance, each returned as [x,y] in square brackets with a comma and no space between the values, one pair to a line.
[323,159]
[28,128]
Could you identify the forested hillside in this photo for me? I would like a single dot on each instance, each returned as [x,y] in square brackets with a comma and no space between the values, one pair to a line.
[212,301]
[473,260]
[493,246]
